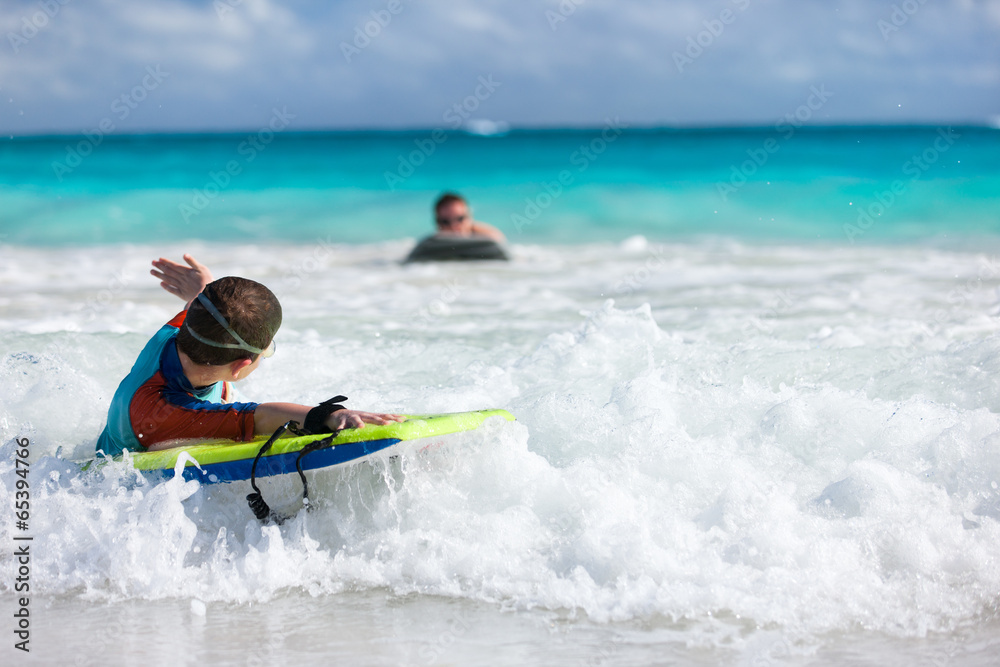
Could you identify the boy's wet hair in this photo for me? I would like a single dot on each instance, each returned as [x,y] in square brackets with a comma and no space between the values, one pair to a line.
[252,311]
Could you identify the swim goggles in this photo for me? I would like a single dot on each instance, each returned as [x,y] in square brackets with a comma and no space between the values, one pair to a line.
[242,344]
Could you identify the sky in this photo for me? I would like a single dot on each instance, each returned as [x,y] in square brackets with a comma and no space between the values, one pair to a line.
[72,66]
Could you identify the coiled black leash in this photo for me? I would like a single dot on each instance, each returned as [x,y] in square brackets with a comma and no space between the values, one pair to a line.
[256,501]
[315,422]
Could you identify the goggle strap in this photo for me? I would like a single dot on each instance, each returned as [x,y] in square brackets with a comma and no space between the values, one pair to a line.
[214,312]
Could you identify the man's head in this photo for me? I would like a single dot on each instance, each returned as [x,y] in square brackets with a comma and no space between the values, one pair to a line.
[452,215]
[249,310]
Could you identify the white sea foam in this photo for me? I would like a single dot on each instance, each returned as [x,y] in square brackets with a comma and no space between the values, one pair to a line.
[797,440]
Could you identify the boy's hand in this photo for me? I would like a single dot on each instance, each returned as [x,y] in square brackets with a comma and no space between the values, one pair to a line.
[186,282]
[357,419]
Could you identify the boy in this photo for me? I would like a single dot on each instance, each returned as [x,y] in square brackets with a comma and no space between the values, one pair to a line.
[179,388]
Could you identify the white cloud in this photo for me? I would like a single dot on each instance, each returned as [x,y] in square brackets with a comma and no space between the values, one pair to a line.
[605,58]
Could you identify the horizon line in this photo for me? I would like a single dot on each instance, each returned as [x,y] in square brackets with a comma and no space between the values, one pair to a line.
[501,128]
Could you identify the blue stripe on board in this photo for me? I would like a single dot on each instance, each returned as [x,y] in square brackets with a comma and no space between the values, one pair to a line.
[279,464]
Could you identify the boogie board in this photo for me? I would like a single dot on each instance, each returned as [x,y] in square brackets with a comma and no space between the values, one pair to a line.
[228,461]
[445,248]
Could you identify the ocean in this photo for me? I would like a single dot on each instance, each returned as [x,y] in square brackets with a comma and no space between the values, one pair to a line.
[753,369]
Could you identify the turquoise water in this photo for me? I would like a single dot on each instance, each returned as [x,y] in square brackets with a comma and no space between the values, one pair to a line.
[749,184]
[741,438]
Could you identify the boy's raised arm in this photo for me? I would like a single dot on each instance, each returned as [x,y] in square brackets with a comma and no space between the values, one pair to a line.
[185,282]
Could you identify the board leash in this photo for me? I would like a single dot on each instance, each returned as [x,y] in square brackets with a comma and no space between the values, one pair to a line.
[315,422]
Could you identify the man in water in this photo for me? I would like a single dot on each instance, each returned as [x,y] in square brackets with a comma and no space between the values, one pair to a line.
[458,236]
[454,218]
